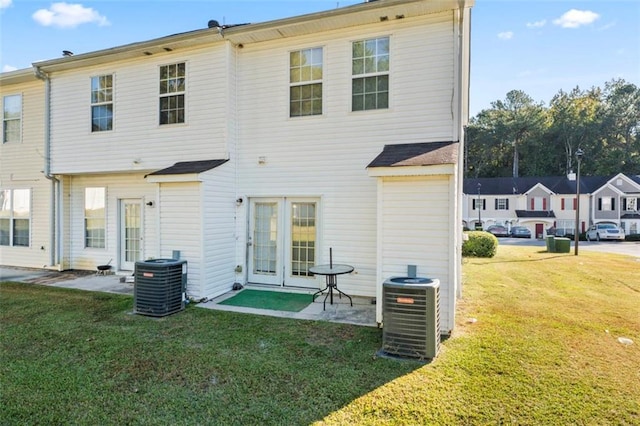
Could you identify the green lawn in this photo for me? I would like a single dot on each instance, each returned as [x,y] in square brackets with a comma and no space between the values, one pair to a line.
[536,343]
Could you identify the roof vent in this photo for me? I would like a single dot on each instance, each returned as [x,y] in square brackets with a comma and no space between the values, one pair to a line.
[213,24]
[67,53]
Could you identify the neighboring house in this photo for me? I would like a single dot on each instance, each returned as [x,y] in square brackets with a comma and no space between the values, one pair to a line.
[550,202]
[251,150]
[25,219]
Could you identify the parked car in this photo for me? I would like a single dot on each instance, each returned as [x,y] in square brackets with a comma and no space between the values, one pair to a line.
[520,232]
[498,230]
[605,231]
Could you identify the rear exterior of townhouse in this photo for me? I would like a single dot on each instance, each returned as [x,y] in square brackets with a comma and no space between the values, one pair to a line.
[253,150]
[543,203]
[25,191]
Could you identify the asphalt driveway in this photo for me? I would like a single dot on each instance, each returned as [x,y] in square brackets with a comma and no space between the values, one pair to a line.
[629,248]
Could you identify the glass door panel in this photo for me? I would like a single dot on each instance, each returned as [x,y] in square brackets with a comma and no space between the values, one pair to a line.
[130,234]
[264,243]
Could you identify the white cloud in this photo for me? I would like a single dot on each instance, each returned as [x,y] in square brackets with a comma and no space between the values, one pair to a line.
[8,68]
[507,35]
[67,15]
[5,3]
[576,18]
[537,24]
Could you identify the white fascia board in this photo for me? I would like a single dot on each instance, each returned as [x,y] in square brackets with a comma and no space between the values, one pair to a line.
[541,186]
[440,169]
[189,177]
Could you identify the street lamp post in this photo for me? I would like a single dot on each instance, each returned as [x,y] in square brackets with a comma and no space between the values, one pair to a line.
[478,204]
[576,232]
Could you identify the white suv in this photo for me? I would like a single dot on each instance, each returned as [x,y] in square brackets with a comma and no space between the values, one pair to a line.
[605,231]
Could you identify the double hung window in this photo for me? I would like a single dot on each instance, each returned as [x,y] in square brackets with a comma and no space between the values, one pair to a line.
[370,74]
[15,217]
[94,217]
[173,82]
[101,103]
[11,118]
[606,204]
[502,204]
[305,82]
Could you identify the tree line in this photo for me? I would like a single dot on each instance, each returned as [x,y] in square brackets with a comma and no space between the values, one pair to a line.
[520,137]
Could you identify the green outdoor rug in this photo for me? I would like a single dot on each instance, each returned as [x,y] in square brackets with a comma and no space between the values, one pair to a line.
[274,300]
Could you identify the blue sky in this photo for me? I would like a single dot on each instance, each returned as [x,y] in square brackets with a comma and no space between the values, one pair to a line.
[539,47]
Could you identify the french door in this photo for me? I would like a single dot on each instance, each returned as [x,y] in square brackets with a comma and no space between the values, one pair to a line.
[130,235]
[283,241]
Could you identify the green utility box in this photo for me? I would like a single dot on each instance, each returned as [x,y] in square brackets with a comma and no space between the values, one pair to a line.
[562,245]
[551,244]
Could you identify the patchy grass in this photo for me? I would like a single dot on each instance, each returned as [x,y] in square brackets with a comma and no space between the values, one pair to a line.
[543,350]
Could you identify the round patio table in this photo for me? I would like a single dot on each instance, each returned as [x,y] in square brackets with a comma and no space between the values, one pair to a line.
[331,273]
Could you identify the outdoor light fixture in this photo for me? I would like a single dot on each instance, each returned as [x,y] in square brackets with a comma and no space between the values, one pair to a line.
[576,232]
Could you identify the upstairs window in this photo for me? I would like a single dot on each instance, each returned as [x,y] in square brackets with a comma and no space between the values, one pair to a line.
[101,103]
[538,204]
[94,217]
[630,204]
[173,82]
[606,204]
[502,204]
[568,203]
[11,118]
[479,204]
[370,74]
[305,82]
[15,217]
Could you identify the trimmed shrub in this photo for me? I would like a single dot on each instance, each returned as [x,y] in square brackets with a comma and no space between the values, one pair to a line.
[479,244]
[632,237]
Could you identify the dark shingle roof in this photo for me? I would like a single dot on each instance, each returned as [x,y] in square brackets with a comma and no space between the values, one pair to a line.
[520,185]
[187,167]
[417,154]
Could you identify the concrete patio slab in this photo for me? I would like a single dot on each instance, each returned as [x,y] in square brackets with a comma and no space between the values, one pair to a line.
[363,311]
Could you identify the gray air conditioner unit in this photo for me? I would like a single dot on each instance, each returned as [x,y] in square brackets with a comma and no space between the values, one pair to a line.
[159,287]
[411,317]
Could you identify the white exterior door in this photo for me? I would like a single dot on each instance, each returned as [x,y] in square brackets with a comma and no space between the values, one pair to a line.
[130,240]
[283,241]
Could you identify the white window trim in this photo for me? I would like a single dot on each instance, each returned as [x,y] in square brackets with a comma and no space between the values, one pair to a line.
[308,83]
[364,75]
[12,218]
[5,120]
[112,102]
[183,92]
[85,217]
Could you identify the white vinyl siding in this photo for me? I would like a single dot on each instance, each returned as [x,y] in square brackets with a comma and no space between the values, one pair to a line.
[117,187]
[137,141]
[21,168]
[327,158]
[416,230]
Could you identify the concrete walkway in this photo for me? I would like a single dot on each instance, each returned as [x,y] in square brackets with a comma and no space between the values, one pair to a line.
[363,311]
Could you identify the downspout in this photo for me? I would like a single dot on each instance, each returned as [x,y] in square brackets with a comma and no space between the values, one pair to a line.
[54,253]
[462,112]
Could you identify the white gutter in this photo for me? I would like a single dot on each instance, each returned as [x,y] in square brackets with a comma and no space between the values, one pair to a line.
[54,252]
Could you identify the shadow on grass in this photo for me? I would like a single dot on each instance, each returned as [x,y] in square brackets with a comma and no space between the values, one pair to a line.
[92,362]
